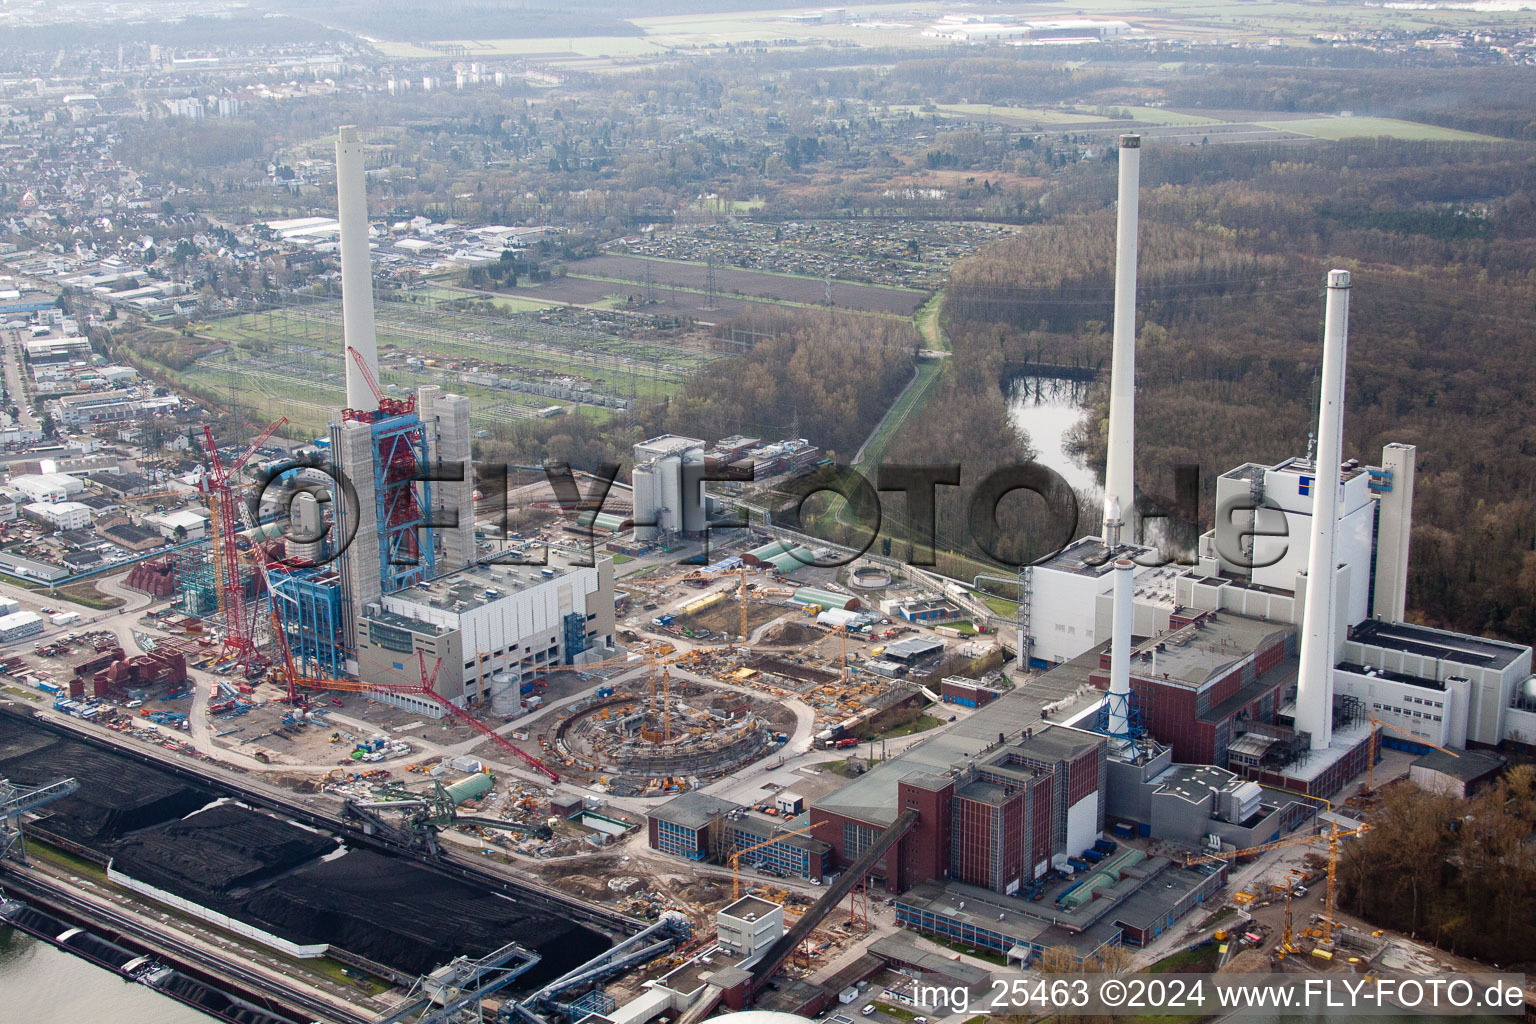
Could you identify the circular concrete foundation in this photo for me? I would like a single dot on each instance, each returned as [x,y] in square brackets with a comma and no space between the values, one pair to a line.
[707,733]
[870,578]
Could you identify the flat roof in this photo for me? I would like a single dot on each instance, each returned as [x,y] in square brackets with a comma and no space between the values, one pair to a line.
[1194,783]
[1438,643]
[1006,915]
[1151,904]
[901,950]
[693,809]
[667,444]
[483,584]
[1299,466]
[1195,655]
[752,905]
[1088,556]
[1340,744]
[1468,765]
[872,796]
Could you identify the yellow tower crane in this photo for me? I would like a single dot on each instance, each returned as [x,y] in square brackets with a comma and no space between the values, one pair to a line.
[735,858]
[1331,837]
[1370,764]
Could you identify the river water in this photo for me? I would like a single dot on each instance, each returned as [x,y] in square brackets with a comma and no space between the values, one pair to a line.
[40,984]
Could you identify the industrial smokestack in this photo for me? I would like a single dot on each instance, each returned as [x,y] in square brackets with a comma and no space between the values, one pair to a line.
[1120,650]
[1314,685]
[1119,469]
[356,275]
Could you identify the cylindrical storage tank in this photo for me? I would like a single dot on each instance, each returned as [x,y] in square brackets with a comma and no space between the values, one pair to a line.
[644,481]
[669,492]
[306,528]
[693,491]
[471,787]
[503,693]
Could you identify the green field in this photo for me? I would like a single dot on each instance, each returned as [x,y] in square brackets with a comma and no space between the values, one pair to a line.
[1336,128]
[506,303]
[1159,115]
[997,112]
[717,205]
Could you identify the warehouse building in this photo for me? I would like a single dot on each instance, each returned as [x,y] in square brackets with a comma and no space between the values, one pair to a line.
[1459,776]
[46,487]
[19,625]
[61,515]
[700,827]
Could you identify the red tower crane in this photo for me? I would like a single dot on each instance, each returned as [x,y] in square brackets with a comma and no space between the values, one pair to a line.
[238,642]
[427,688]
[387,406]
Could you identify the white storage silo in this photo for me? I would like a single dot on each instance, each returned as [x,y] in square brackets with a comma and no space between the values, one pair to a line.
[504,695]
[644,499]
[692,490]
[669,492]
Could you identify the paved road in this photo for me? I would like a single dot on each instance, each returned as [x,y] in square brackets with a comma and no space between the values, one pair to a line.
[10,348]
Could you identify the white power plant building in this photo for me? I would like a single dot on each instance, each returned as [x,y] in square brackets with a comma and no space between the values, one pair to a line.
[668,483]
[493,627]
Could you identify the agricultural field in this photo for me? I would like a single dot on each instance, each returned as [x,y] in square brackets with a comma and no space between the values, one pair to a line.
[630,272]
[1159,115]
[1336,128]
[288,360]
[1016,115]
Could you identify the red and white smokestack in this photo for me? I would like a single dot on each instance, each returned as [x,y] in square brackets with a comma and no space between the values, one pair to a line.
[356,275]
[1120,649]
[1314,683]
[1119,469]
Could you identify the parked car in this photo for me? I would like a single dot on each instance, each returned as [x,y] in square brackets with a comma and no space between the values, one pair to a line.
[869,1008]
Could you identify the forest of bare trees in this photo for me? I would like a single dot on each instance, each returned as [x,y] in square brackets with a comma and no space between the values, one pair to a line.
[822,375]
[1458,873]
[1234,245]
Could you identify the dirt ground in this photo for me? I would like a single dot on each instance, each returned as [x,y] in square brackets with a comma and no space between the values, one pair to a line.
[725,617]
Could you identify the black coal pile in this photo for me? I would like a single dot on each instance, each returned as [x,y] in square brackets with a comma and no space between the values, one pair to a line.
[117,795]
[219,853]
[198,843]
[406,915]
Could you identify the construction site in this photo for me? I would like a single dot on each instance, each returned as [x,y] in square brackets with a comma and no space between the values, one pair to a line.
[695,731]
[632,762]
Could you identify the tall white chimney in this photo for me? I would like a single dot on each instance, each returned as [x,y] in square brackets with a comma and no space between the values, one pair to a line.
[1120,650]
[1119,469]
[356,275]
[1314,683]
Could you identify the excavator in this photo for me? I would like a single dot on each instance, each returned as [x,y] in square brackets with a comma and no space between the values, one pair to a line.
[423,816]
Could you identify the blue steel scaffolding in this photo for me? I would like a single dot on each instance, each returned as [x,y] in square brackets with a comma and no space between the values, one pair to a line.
[308,602]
